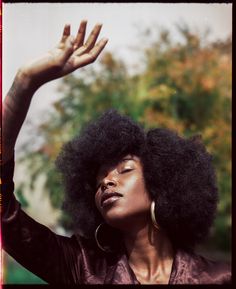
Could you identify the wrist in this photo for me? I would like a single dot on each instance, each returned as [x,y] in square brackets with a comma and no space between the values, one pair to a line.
[21,91]
[26,80]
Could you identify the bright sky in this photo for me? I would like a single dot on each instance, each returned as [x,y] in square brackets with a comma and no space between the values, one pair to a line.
[30,29]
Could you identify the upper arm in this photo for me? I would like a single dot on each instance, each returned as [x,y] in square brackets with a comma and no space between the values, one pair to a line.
[52,257]
[38,249]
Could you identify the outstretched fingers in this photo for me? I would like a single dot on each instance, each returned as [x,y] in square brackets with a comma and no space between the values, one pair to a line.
[89,44]
[97,49]
[66,33]
[67,50]
[81,34]
[73,53]
[64,49]
[92,55]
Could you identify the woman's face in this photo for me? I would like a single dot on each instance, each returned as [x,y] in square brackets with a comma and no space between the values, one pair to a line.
[121,196]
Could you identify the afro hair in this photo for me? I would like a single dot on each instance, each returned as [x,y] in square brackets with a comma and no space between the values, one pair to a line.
[178,175]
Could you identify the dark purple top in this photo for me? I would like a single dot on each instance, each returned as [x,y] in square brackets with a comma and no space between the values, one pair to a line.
[75,260]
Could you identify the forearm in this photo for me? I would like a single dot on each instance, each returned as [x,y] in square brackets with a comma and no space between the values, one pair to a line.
[15,108]
[70,54]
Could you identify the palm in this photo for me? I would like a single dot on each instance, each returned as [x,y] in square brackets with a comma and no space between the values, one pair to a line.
[69,55]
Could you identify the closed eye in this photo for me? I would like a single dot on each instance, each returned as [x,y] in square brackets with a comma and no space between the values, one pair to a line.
[126,170]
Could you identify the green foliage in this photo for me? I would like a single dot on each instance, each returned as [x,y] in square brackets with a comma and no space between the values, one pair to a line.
[16,274]
[183,86]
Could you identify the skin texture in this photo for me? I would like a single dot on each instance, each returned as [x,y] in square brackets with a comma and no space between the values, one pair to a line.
[70,54]
[150,252]
[125,178]
[178,171]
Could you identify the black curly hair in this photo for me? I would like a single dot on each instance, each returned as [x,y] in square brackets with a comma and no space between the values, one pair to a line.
[178,174]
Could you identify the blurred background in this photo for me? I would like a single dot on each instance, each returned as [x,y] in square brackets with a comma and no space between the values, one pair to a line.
[165,65]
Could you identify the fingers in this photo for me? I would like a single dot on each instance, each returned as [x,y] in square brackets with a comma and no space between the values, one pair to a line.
[92,55]
[97,49]
[73,53]
[85,48]
[81,34]
[68,49]
[79,41]
[65,52]
[93,37]
[66,33]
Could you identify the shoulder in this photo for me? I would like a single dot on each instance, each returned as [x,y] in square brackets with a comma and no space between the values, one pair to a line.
[201,270]
[217,272]
[210,271]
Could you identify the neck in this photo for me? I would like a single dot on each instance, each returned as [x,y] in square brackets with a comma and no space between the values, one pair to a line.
[150,253]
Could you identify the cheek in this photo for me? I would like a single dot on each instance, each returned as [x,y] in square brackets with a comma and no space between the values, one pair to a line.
[136,190]
[136,202]
[135,184]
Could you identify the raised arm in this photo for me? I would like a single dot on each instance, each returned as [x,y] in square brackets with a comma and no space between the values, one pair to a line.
[54,258]
[70,54]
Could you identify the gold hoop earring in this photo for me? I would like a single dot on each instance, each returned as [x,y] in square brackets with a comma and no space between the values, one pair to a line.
[96,238]
[153,217]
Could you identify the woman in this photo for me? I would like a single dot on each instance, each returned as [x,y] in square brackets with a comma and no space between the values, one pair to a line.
[140,200]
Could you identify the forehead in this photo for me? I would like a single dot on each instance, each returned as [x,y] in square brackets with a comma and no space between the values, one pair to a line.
[107,167]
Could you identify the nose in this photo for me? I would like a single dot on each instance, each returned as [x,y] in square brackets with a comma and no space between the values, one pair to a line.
[108,182]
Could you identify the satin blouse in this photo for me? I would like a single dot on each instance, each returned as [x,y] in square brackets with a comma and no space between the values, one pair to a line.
[76,260]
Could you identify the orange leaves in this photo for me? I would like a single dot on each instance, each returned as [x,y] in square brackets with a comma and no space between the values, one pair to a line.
[208,83]
[184,87]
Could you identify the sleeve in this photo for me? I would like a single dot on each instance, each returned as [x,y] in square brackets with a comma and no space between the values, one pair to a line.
[52,257]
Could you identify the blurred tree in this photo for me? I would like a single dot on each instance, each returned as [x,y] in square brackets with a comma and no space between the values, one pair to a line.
[183,86]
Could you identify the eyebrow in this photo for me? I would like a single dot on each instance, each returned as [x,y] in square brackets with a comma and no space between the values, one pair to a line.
[128,158]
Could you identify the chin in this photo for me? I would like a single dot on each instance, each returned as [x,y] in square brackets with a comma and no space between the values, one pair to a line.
[115,217]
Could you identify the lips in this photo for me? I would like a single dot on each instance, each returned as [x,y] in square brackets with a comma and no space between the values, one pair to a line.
[109,197]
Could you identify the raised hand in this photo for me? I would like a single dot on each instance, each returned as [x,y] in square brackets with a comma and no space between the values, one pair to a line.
[70,54]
